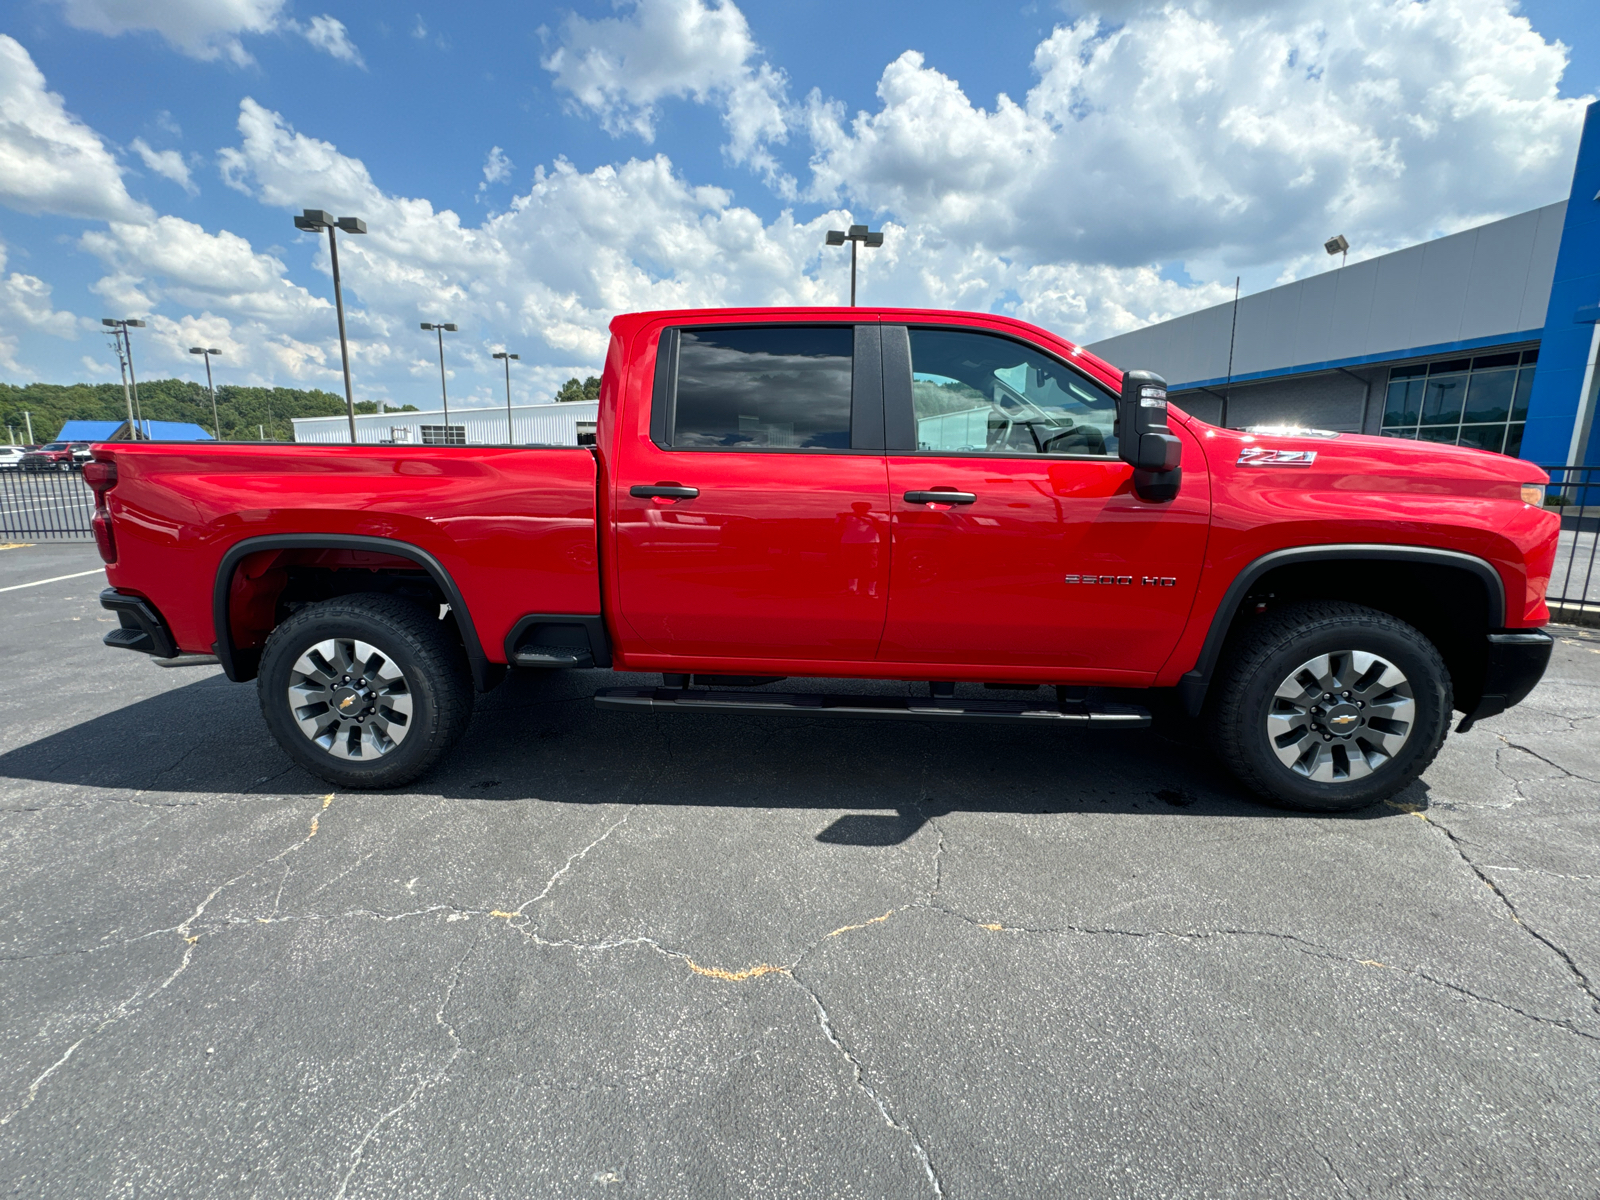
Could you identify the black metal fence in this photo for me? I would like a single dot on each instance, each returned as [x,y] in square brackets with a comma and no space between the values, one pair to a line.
[1575,582]
[45,506]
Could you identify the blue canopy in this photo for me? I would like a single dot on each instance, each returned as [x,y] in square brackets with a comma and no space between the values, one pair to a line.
[117,431]
[89,431]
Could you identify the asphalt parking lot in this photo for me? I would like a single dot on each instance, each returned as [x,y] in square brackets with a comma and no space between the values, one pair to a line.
[606,954]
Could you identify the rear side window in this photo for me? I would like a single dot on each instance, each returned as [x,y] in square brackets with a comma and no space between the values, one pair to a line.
[765,387]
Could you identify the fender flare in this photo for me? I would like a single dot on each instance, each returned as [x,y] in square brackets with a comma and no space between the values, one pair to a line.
[1194,683]
[240,665]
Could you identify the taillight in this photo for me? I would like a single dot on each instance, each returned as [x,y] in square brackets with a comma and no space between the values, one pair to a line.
[101,476]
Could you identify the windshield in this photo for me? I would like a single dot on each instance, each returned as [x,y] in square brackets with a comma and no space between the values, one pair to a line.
[56,446]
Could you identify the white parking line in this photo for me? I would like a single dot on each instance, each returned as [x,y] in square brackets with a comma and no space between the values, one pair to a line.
[55,579]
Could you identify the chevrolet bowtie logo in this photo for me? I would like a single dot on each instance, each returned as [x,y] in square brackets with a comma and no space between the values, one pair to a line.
[1340,720]
[346,703]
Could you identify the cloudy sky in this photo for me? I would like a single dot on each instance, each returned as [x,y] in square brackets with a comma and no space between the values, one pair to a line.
[529,170]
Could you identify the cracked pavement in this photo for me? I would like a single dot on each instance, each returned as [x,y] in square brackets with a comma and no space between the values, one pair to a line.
[609,954]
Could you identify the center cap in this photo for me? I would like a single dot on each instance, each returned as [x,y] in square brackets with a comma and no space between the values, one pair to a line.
[348,702]
[1342,719]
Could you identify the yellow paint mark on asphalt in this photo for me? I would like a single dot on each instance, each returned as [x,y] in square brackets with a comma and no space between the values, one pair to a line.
[501,913]
[192,940]
[15,545]
[316,821]
[754,972]
[1372,962]
[863,925]
[995,928]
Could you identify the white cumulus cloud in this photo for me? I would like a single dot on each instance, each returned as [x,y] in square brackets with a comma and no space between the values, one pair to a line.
[496,167]
[1239,134]
[210,29]
[621,68]
[51,162]
[167,163]
[203,29]
[329,35]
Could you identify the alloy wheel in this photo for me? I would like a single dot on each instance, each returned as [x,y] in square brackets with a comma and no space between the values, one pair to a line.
[1341,716]
[350,698]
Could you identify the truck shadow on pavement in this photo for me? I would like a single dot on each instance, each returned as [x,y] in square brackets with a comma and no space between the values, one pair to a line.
[540,737]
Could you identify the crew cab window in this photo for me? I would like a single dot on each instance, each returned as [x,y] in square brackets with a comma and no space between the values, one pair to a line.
[981,393]
[765,387]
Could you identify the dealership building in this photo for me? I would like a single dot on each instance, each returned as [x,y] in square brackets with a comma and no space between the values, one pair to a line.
[1484,338]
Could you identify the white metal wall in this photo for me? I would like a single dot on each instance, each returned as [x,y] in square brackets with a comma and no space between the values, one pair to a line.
[531,424]
[1490,281]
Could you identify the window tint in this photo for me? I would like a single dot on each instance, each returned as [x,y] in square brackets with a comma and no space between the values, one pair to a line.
[764,388]
[1481,402]
[977,392]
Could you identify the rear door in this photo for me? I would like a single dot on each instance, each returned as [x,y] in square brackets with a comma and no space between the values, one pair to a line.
[753,522]
[1043,556]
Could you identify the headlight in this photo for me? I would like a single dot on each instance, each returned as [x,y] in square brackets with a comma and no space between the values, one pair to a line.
[1533,493]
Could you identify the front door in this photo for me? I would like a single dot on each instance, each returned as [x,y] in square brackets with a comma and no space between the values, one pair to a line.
[753,522]
[1042,557]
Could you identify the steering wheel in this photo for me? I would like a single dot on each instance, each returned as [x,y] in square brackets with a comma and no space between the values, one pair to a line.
[1094,441]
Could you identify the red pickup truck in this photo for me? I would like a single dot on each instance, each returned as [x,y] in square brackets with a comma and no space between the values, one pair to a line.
[958,500]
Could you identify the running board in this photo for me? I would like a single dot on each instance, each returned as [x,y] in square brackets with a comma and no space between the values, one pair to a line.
[905,708]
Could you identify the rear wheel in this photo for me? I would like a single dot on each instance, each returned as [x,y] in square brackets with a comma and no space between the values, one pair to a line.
[365,691]
[1330,707]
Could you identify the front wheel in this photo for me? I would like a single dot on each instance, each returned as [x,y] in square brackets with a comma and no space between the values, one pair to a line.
[365,691]
[1330,707]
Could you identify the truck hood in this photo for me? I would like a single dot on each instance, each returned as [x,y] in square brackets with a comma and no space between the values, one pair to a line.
[1356,463]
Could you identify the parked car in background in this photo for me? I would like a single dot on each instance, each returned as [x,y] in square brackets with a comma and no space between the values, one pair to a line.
[52,456]
[81,453]
[10,457]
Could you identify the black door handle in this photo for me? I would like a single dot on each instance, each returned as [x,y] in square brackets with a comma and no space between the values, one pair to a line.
[667,491]
[941,497]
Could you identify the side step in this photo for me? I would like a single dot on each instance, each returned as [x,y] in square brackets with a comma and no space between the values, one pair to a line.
[905,708]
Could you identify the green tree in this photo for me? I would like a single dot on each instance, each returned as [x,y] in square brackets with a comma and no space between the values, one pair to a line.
[589,389]
[245,412]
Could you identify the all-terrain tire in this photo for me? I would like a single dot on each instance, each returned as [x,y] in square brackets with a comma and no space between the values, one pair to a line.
[411,645]
[1254,727]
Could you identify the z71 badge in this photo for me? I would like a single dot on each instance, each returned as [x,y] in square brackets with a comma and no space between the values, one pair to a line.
[1261,456]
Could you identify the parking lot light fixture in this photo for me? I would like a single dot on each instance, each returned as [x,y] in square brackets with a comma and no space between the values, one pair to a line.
[441,329]
[313,220]
[858,235]
[511,434]
[1340,245]
[216,423]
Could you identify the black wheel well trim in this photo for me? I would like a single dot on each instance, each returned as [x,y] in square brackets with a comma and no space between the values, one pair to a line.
[484,673]
[592,624]
[1194,683]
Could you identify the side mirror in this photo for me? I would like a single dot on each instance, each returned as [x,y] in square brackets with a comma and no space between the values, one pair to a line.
[1144,441]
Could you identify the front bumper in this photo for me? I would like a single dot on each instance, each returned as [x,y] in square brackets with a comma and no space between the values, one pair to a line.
[142,627]
[1516,662]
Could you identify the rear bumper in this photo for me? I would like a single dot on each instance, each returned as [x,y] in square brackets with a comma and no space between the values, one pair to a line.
[1515,664]
[142,627]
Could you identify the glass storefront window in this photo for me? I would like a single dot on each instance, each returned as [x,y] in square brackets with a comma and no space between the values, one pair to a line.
[1479,402]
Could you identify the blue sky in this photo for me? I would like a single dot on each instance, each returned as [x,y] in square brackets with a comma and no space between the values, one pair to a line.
[529,170]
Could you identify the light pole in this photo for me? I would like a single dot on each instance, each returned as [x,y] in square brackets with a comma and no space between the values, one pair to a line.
[858,236]
[1340,245]
[511,434]
[441,330]
[135,413]
[313,220]
[211,387]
